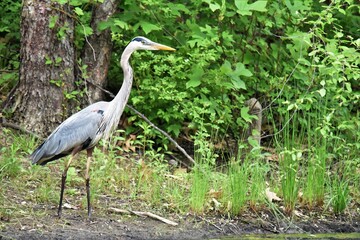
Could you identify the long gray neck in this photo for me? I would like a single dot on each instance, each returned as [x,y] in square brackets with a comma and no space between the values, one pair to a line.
[123,95]
[117,105]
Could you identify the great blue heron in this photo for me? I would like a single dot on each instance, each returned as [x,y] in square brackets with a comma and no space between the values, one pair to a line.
[84,129]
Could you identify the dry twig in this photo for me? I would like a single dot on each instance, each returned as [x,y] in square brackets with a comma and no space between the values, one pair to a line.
[17,127]
[144,214]
[212,224]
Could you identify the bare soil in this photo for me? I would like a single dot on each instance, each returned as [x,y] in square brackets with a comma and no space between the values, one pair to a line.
[74,225]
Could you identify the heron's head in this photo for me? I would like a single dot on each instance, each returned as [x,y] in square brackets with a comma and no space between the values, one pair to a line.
[142,43]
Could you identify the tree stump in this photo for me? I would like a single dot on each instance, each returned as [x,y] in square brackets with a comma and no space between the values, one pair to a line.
[255,108]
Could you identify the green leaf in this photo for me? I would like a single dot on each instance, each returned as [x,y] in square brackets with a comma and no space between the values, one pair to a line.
[175,128]
[348,87]
[259,6]
[297,6]
[240,70]
[238,83]
[48,61]
[292,106]
[52,21]
[322,92]
[148,27]
[58,60]
[192,83]
[121,24]
[246,9]
[195,78]
[214,6]
[226,68]
[75,2]
[244,112]
[104,25]
[6,77]
[78,11]
[87,30]
[62,2]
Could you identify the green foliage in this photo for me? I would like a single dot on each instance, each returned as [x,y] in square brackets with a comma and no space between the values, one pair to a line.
[10,156]
[281,52]
[9,166]
[9,44]
[290,54]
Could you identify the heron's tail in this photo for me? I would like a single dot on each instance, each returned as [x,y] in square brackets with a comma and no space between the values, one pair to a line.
[42,155]
[37,155]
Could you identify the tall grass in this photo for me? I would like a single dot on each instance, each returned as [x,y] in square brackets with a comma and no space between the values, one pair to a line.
[9,164]
[238,185]
[315,182]
[175,195]
[258,172]
[199,187]
[340,194]
[346,167]
[205,158]
[314,190]
[290,155]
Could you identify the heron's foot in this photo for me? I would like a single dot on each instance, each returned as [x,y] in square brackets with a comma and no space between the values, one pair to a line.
[89,212]
[63,180]
[59,214]
[87,180]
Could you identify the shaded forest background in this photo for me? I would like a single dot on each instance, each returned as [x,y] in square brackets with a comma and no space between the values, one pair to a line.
[295,57]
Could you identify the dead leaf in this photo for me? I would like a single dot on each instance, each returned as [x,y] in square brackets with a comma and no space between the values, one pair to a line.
[271,196]
[69,206]
[216,203]
[215,194]
[298,213]
[128,143]
[180,171]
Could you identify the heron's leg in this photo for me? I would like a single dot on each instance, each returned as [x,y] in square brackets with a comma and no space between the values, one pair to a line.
[63,180]
[87,179]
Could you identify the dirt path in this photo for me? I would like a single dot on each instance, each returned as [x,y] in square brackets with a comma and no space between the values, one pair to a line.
[115,226]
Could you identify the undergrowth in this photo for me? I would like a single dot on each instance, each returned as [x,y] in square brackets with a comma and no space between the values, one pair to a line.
[135,181]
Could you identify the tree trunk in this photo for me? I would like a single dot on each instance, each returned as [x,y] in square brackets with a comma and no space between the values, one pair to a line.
[41,100]
[97,51]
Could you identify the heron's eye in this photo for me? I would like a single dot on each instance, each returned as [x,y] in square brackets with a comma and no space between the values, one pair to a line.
[143,41]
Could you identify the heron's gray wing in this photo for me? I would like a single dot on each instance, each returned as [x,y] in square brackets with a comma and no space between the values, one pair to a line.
[78,131]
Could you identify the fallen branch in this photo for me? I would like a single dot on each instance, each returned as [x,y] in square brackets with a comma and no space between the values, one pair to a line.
[144,214]
[162,132]
[17,127]
[118,210]
[212,224]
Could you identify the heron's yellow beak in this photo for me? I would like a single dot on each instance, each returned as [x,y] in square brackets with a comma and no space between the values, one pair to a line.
[163,47]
